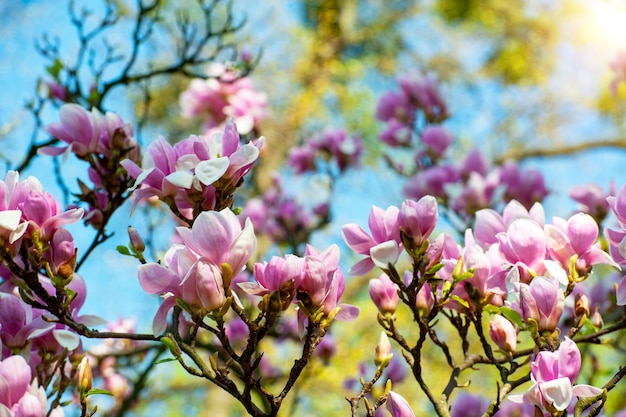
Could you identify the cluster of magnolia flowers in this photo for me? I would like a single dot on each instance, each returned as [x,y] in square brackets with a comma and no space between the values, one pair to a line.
[201,270]
[333,145]
[464,187]
[221,96]
[196,174]
[514,259]
[102,141]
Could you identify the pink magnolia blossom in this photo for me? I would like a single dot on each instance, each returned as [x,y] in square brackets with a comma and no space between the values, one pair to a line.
[489,222]
[188,171]
[19,324]
[396,134]
[543,301]
[217,236]
[91,133]
[576,237]
[526,187]
[553,375]
[424,92]
[224,96]
[193,271]
[197,282]
[418,218]
[270,276]
[323,283]
[524,245]
[592,199]
[80,129]
[384,294]
[382,247]
[436,138]
[487,278]
[617,204]
[398,406]
[431,181]
[26,209]
[18,397]
[393,106]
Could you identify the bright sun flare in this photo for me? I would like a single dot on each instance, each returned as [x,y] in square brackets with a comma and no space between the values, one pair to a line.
[608,22]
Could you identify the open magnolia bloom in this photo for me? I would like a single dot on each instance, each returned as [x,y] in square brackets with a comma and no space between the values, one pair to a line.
[553,375]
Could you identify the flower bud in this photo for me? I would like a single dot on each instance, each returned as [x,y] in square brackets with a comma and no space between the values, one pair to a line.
[384,293]
[383,351]
[424,299]
[596,319]
[581,305]
[398,406]
[503,333]
[542,301]
[136,242]
[84,378]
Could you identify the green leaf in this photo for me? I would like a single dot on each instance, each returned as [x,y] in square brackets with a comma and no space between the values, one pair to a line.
[94,391]
[434,269]
[460,301]
[512,315]
[55,68]
[165,360]
[123,250]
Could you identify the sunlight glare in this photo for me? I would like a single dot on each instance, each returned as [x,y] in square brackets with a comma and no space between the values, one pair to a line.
[608,22]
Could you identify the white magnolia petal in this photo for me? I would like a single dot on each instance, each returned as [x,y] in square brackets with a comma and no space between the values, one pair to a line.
[584,390]
[557,392]
[212,170]
[91,320]
[66,338]
[18,232]
[385,253]
[10,219]
[181,179]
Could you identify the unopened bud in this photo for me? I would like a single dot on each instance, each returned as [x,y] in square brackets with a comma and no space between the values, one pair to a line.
[383,351]
[84,378]
[136,242]
[503,333]
[581,305]
[596,319]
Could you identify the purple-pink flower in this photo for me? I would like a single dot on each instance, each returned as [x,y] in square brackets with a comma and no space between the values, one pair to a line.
[553,375]
[223,96]
[382,247]
[194,271]
[418,218]
[542,301]
[398,406]
[384,293]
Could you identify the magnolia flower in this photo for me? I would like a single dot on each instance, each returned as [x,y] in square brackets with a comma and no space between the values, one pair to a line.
[542,301]
[18,397]
[524,245]
[272,275]
[418,218]
[384,293]
[324,283]
[553,375]
[576,237]
[382,247]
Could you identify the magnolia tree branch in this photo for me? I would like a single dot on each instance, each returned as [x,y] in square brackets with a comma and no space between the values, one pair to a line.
[565,149]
